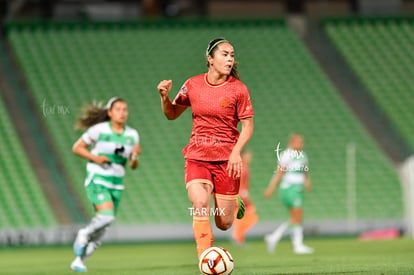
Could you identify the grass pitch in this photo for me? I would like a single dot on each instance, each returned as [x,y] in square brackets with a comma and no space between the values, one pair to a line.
[332,256]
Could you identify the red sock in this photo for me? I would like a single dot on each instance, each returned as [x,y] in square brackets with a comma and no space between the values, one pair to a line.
[203,234]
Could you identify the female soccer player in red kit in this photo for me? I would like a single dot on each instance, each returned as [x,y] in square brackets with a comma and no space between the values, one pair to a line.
[213,164]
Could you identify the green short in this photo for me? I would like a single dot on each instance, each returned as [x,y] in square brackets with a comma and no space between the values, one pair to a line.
[99,194]
[292,196]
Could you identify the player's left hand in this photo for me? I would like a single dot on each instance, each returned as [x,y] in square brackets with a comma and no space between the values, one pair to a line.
[234,165]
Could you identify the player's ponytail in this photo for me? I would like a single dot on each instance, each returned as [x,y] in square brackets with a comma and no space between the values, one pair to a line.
[212,47]
[94,113]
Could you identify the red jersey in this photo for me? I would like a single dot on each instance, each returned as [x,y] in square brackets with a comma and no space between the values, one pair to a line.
[216,111]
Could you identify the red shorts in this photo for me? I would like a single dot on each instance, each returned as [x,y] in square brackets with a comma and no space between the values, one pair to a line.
[214,173]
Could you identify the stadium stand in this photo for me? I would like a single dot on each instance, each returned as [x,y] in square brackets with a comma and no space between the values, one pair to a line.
[22,202]
[66,65]
[380,52]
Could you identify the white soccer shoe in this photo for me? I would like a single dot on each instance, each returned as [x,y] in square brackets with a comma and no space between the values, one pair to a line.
[271,243]
[78,266]
[303,249]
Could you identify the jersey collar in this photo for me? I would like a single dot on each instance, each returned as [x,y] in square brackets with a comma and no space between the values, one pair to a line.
[216,85]
[110,126]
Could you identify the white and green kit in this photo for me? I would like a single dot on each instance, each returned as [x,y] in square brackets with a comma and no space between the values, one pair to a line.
[295,165]
[105,182]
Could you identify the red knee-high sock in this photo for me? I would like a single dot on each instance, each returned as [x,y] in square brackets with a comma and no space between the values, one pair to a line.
[203,234]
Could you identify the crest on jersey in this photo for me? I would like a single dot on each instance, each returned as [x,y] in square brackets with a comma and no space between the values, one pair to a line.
[183,90]
[128,140]
[224,101]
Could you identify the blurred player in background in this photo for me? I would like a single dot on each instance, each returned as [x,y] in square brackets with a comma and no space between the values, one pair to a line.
[293,174]
[108,144]
[241,226]
[213,163]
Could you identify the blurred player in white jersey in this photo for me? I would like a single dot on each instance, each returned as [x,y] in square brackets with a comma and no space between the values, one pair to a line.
[292,173]
[108,144]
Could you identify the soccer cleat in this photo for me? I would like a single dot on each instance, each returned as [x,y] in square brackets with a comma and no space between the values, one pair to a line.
[303,249]
[241,208]
[81,242]
[78,266]
[271,243]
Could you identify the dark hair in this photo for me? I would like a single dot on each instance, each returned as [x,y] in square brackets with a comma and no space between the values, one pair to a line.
[211,49]
[94,113]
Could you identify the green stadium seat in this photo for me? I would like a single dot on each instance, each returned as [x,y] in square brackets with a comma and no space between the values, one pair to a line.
[381,54]
[22,202]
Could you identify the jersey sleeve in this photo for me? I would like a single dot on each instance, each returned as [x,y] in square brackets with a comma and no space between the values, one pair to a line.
[91,135]
[244,104]
[285,159]
[136,137]
[182,98]
[305,159]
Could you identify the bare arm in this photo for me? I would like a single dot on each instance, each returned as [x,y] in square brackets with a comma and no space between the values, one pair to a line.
[170,110]
[308,185]
[274,182]
[80,148]
[134,158]
[235,164]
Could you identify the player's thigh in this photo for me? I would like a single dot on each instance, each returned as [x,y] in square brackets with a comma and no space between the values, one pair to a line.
[198,182]
[199,193]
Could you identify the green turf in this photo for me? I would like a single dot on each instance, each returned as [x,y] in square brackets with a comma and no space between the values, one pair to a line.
[333,256]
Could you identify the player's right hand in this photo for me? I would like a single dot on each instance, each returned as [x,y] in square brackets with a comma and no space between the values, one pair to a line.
[101,160]
[164,87]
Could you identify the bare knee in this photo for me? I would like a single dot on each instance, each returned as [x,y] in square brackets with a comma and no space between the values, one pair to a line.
[200,203]
[200,208]
[223,224]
